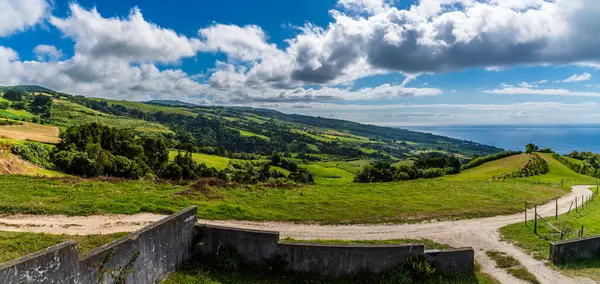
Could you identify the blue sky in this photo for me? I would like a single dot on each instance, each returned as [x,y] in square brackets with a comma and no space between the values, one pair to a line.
[426,62]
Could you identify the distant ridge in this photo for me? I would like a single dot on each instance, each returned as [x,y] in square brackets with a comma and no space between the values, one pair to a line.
[170,103]
[30,88]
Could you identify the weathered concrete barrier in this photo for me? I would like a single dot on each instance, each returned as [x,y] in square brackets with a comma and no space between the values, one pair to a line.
[458,261]
[260,247]
[145,256]
[339,260]
[573,250]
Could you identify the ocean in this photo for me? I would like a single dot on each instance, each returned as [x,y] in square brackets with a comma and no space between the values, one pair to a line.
[561,138]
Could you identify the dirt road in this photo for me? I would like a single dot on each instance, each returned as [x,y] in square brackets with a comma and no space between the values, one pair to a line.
[481,234]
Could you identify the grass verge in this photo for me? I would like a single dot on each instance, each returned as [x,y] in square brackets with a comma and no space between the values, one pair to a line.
[429,244]
[14,244]
[512,266]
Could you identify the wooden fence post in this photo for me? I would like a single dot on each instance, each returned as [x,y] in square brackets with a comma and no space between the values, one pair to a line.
[570,208]
[556,212]
[576,208]
[525,213]
[582,231]
[582,202]
[535,220]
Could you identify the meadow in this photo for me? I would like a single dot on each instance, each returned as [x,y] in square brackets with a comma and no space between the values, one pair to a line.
[402,202]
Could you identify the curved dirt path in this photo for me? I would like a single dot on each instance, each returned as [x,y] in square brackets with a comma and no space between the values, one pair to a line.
[72,225]
[481,234]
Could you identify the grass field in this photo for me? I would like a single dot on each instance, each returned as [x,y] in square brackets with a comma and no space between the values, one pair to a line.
[538,245]
[250,134]
[402,202]
[573,160]
[211,161]
[66,113]
[149,108]
[14,245]
[31,131]
[559,172]
[16,114]
[329,175]
[494,168]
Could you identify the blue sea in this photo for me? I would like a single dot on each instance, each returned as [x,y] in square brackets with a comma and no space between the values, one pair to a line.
[561,138]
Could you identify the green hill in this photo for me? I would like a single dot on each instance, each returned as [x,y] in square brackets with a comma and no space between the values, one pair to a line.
[493,168]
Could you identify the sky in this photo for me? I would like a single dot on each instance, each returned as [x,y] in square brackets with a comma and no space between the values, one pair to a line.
[384,62]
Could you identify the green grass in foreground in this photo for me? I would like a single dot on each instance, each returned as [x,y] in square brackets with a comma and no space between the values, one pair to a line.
[539,245]
[399,202]
[395,202]
[14,244]
[74,196]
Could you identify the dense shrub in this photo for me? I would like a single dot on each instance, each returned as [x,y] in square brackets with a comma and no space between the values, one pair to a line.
[4,104]
[33,152]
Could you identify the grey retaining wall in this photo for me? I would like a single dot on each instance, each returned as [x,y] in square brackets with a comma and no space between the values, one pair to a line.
[574,250]
[145,256]
[258,247]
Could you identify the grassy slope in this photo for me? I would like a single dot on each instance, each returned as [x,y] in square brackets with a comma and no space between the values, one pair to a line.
[67,113]
[14,245]
[493,168]
[573,160]
[150,107]
[559,172]
[211,161]
[31,131]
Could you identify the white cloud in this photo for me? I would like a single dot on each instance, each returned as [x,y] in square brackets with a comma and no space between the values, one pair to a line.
[44,52]
[578,78]
[525,85]
[241,43]
[18,15]
[133,39]
[545,92]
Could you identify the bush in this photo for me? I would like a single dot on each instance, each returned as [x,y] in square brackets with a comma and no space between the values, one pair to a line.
[432,173]
[4,104]
[33,152]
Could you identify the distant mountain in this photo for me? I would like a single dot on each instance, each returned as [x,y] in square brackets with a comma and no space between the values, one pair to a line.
[31,88]
[170,103]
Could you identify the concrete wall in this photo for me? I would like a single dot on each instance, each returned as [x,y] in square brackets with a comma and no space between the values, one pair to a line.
[339,260]
[458,261]
[57,264]
[255,247]
[574,250]
[144,256]
[258,247]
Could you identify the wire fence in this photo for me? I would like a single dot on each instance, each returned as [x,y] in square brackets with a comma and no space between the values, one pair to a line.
[551,228]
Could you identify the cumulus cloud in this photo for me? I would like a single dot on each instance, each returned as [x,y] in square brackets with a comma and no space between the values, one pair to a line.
[44,52]
[241,43]
[133,38]
[578,78]
[18,15]
[373,36]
